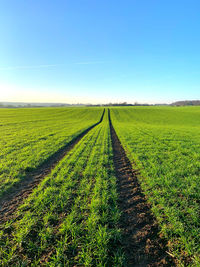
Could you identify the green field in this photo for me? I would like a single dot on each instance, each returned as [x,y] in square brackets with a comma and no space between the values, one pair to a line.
[73,212]
[29,136]
[72,217]
[164,142]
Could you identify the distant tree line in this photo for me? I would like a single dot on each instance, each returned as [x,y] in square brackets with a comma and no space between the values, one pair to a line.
[187,103]
[35,105]
[31,105]
[118,105]
[126,104]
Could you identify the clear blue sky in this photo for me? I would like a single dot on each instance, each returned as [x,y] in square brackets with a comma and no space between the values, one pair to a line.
[99,51]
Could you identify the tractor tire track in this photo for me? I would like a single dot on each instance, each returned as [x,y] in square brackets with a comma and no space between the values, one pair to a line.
[15,197]
[140,232]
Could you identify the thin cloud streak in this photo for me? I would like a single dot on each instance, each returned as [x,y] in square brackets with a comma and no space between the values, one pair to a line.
[29,67]
[89,62]
[48,65]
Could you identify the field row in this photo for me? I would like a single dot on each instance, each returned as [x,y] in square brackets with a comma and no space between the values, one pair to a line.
[74,216]
[165,145]
[31,136]
[71,218]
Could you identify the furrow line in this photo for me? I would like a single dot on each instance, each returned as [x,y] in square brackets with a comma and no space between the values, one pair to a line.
[141,241]
[15,197]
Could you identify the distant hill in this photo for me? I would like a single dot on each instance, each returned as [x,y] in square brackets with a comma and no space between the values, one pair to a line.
[31,105]
[187,103]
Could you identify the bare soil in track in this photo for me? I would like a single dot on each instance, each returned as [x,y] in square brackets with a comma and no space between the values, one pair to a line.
[140,233]
[15,197]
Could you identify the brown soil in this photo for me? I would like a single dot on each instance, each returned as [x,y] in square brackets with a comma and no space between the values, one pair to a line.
[15,197]
[140,232]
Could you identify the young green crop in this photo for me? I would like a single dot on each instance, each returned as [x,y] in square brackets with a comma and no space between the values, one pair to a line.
[29,136]
[165,144]
[72,217]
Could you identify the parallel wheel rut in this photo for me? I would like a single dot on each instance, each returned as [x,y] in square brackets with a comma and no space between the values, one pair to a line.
[10,202]
[141,241]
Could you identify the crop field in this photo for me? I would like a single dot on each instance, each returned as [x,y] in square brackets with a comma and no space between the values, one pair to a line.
[164,143]
[118,186]
[71,218]
[29,136]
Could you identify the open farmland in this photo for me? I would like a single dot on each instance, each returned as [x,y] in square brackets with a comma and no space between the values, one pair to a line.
[71,218]
[30,136]
[164,143]
[96,204]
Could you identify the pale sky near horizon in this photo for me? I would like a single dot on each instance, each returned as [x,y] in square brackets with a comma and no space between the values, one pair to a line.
[99,51]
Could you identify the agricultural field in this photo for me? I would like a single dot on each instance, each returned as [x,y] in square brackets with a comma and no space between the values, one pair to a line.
[29,136]
[71,217]
[118,186]
[164,144]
